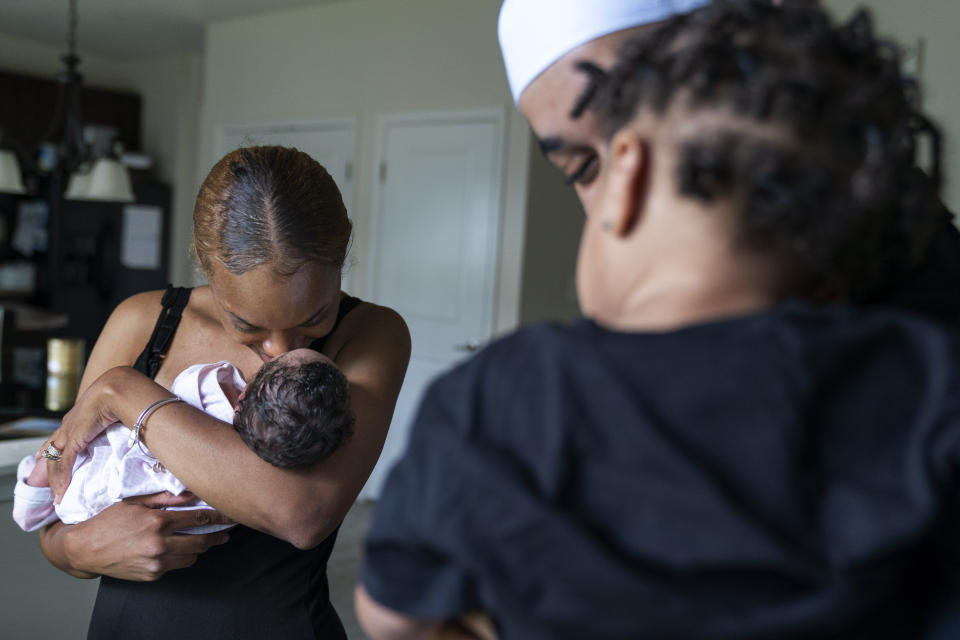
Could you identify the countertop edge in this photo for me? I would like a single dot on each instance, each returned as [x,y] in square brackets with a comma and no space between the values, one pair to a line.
[12,451]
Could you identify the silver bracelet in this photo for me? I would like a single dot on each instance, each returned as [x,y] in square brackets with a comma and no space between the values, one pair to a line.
[135,430]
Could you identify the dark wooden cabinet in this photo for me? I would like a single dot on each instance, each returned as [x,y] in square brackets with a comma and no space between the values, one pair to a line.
[88,277]
[80,275]
[28,104]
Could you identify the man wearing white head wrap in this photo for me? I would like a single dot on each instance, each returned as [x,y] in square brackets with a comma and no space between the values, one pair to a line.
[534,34]
[551,48]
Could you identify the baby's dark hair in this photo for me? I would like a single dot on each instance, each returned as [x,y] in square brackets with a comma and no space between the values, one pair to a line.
[295,415]
[815,133]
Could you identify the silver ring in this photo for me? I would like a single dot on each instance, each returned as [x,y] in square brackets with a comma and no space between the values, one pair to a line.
[51,452]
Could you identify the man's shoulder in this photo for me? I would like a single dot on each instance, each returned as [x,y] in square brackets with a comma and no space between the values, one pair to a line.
[520,352]
[498,393]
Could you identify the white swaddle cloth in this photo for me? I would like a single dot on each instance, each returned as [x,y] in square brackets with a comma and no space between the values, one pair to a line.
[109,469]
[535,33]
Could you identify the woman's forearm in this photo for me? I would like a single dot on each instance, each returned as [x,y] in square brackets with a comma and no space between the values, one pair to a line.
[302,506]
[54,545]
[132,540]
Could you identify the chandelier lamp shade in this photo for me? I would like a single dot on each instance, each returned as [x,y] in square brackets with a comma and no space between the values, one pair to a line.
[92,166]
[106,180]
[11,181]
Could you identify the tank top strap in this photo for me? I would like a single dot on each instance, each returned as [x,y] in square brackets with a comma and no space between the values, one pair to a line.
[174,301]
[347,304]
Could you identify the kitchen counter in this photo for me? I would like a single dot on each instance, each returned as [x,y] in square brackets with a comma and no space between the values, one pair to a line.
[11,451]
[31,588]
[21,437]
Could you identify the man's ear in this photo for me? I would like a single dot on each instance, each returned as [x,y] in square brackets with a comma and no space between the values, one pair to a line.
[627,182]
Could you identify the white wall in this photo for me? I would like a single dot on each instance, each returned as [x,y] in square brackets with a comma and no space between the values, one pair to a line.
[171,87]
[935,21]
[363,59]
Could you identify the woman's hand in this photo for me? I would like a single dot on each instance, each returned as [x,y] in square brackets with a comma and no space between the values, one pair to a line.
[136,540]
[90,415]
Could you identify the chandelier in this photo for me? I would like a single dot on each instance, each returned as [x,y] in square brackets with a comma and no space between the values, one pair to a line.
[92,164]
[10,180]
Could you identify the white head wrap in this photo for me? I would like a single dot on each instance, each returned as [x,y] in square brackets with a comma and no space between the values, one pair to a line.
[535,33]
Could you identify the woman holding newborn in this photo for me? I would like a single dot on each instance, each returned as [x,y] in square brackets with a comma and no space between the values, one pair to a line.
[271,234]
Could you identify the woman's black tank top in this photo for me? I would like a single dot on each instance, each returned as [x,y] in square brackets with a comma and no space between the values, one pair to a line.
[254,586]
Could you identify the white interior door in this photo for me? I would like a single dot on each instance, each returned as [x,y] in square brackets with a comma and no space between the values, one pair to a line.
[434,245]
[332,143]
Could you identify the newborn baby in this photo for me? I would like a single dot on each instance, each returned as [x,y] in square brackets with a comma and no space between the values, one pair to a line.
[295,413]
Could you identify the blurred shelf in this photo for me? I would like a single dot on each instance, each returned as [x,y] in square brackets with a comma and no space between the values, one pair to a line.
[12,418]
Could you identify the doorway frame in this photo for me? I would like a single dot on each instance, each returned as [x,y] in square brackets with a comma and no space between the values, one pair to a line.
[349,124]
[492,115]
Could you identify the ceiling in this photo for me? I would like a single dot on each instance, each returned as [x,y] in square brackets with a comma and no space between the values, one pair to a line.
[131,27]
